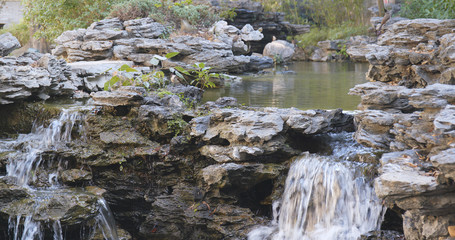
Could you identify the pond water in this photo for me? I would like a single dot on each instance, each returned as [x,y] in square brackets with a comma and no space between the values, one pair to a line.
[313,85]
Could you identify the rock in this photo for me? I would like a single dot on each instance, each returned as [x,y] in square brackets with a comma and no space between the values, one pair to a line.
[8,43]
[109,23]
[258,63]
[120,97]
[70,36]
[279,49]
[413,32]
[239,177]
[444,162]
[319,55]
[70,208]
[75,175]
[144,28]
[35,76]
[358,53]
[249,34]
[96,73]
[382,235]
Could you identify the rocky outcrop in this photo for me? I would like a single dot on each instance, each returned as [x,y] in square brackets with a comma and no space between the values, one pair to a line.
[140,40]
[35,76]
[172,171]
[271,23]
[8,43]
[407,109]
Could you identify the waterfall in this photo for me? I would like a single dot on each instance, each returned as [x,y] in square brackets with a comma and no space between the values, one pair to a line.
[27,158]
[25,162]
[324,198]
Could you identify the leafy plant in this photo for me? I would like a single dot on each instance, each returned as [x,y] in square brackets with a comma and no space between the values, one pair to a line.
[343,52]
[200,75]
[128,76]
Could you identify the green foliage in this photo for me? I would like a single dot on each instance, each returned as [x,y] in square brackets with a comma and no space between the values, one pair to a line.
[56,16]
[167,12]
[343,52]
[321,12]
[20,31]
[125,75]
[200,75]
[228,14]
[441,9]
[320,34]
[177,124]
[132,9]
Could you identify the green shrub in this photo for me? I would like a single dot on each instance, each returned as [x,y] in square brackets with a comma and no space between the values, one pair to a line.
[441,9]
[20,31]
[166,12]
[56,16]
[320,12]
[133,9]
[320,34]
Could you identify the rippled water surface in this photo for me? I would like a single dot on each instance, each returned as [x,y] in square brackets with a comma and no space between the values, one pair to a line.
[313,85]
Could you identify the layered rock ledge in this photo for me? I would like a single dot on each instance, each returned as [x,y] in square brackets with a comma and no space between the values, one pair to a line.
[407,109]
[173,172]
[139,40]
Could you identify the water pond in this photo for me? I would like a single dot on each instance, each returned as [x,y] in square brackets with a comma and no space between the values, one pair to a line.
[313,85]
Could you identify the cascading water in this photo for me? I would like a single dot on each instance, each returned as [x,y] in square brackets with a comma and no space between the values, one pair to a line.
[26,160]
[324,199]
[41,139]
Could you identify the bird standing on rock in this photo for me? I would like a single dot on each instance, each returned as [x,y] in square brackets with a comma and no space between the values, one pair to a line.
[386,18]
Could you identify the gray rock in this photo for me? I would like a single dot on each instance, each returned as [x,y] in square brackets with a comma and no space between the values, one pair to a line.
[110,23]
[41,78]
[117,98]
[445,162]
[249,34]
[239,176]
[75,175]
[8,43]
[144,28]
[279,49]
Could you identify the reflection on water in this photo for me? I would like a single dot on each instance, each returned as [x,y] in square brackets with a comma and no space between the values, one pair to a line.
[315,85]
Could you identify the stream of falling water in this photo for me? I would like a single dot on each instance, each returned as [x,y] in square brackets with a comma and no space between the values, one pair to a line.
[25,162]
[323,200]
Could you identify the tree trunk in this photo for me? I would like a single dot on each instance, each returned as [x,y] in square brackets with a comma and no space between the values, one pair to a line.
[381,8]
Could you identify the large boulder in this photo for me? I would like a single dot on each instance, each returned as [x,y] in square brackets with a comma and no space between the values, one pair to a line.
[279,50]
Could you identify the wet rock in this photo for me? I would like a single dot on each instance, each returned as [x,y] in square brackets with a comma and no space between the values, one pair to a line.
[75,175]
[240,177]
[418,227]
[382,235]
[8,43]
[70,208]
[279,49]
